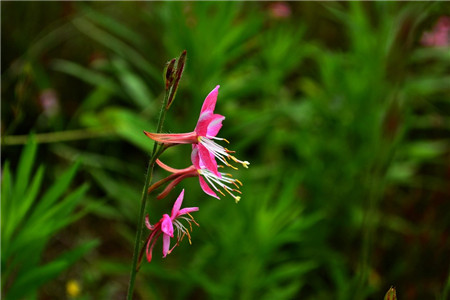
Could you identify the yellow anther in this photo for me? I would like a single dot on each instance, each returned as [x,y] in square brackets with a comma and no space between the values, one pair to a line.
[231,166]
[237,199]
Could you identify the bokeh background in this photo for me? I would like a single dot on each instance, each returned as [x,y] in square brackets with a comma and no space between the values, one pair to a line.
[342,108]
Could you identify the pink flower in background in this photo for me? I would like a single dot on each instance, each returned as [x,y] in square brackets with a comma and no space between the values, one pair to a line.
[167,225]
[439,36]
[223,182]
[280,10]
[49,102]
[203,136]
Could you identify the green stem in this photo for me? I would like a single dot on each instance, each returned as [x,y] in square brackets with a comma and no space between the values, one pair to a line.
[59,136]
[148,178]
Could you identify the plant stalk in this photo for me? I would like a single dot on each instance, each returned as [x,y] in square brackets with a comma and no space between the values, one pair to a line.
[148,178]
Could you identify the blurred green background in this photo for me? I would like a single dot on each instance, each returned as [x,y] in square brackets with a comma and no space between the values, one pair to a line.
[341,109]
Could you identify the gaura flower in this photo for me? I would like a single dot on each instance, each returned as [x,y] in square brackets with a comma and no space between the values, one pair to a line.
[198,169]
[167,225]
[203,136]
[439,36]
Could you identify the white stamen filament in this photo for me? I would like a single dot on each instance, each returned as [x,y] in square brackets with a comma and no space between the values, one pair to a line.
[220,152]
[222,182]
[181,229]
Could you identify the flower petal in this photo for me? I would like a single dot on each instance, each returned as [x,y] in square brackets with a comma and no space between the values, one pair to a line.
[214,125]
[166,225]
[186,210]
[210,101]
[207,159]
[177,180]
[201,129]
[194,157]
[147,223]
[177,205]
[166,244]
[150,245]
[205,187]
[173,138]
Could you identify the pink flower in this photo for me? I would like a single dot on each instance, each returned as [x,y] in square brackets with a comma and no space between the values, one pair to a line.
[280,10]
[203,136]
[440,34]
[222,181]
[165,226]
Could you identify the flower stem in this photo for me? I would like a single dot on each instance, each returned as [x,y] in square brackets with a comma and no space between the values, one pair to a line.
[148,178]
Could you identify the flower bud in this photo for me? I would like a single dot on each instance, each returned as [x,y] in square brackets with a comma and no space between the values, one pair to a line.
[391,294]
[178,73]
[169,73]
[180,64]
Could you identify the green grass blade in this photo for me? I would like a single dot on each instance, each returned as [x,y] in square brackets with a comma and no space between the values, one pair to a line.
[87,75]
[5,205]
[30,196]
[53,194]
[42,274]
[24,170]
[133,84]
[116,45]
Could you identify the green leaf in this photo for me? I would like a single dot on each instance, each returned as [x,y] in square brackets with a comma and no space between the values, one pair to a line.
[116,45]
[30,197]
[42,274]
[423,150]
[87,75]
[52,195]
[133,84]
[62,209]
[129,126]
[24,169]
[41,226]
[6,193]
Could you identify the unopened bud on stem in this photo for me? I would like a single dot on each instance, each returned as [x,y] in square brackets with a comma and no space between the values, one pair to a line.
[391,294]
[169,73]
[181,61]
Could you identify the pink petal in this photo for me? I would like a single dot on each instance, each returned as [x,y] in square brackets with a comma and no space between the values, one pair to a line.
[214,125]
[147,223]
[187,210]
[150,245]
[210,102]
[177,180]
[166,225]
[205,187]
[203,122]
[194,157]
[207,159]
[177,205]
[166,167]
[174,138]
[166,244]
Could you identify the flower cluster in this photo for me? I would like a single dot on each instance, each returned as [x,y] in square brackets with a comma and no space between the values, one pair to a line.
[207,157]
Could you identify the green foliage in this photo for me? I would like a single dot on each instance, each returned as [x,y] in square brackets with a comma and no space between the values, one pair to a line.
[29,221]
[340,110]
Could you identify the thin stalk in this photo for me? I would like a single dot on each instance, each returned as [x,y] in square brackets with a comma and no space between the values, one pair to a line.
[148,178]
[376,187]
[59,136]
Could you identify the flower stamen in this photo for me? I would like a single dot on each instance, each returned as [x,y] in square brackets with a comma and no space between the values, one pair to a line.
[223,182]
[221,153]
